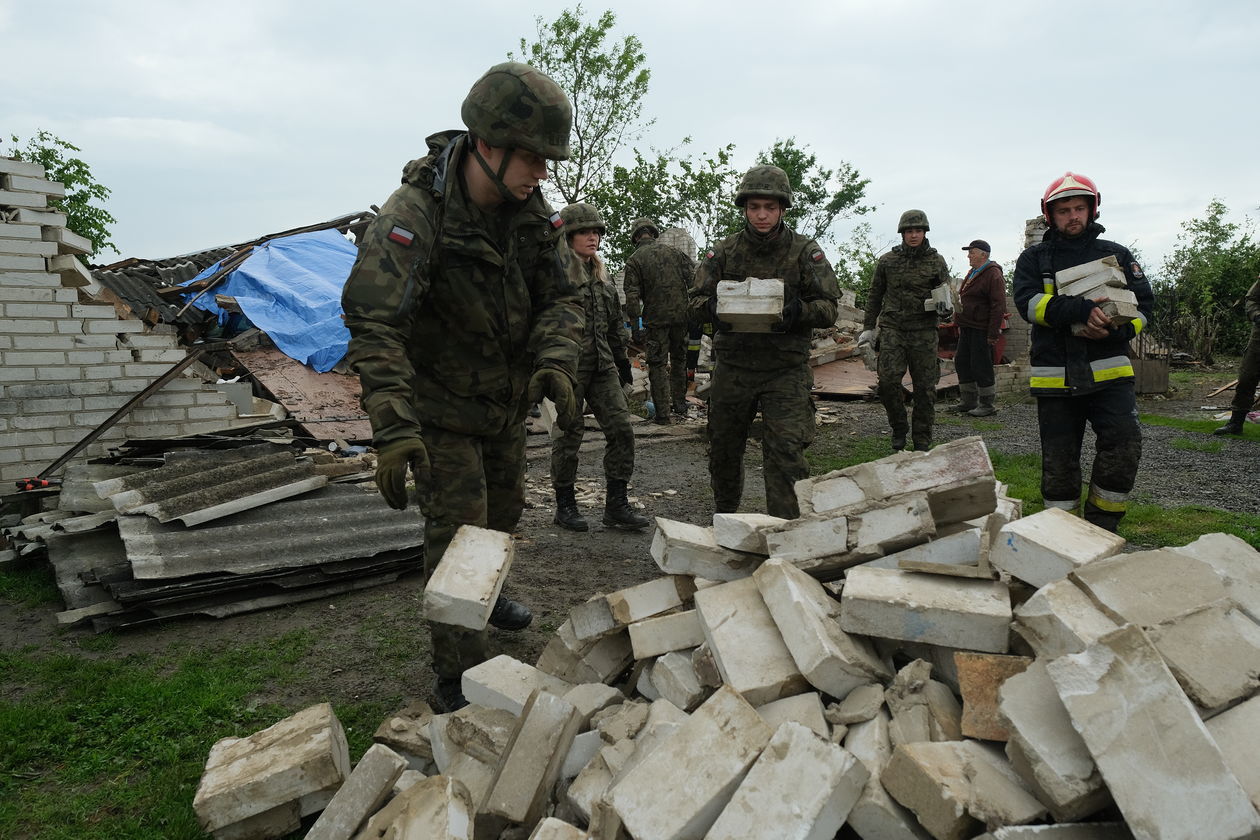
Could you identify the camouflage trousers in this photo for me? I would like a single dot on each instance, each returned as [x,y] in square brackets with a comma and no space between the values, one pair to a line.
[914,350]
[666,353]
[1112,413]
[1248,373]
[476,481]
[788,417]
[602,391]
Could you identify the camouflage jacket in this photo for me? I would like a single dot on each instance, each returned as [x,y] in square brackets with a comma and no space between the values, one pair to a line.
[447,319]
[657,281]
[904,278]
[1253,303]
[604,338]
[807,276]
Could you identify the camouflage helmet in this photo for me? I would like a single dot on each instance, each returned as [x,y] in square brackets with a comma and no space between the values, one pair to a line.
[644,224]
[515,106]
[582,216]
[912,219]
[764,181]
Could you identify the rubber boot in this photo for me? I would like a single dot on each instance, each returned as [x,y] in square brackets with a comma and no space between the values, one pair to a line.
[617,510]
[1234,426]
[679,408]
[567,515]
[985,406]
[898,440]
[449,695]
[967,391]
[921,444]
[510,615]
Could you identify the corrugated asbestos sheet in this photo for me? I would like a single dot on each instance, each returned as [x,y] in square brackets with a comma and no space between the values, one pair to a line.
[136,283]
[338,522]
[213,485]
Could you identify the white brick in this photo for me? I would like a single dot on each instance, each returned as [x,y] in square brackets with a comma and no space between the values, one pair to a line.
[751,305]
[810,541]
[24,168]
[26,216]
[15,262]
[1147,587]
[140,371]
[464,587]
[674,678]
[9,230]
[27,248]
[1049,545]
[68,242]
[1060,618]
[166,357]
[662,634]
[48,406]
[24,326]
[110,372]
[680,548]
[1236,562]
[801,788]
[1212,682]
[1237,734]
[25,183]
[742,531]
[10,198]
[1045,750]
[805,709]
[953,612]
[439,808]
[1114,690]
[806,617]
[16,374]
[680,787]
[72,271]
[876,815]
[506,683]
[368,787]
[746,645]
[102,327]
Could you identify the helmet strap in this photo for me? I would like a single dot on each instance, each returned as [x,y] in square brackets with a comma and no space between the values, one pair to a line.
[495,178]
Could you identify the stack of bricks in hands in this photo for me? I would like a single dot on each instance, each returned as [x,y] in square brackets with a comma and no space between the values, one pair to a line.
[750,305]
[1101,280]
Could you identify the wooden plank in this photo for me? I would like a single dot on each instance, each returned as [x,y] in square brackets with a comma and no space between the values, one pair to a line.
[326,404]
[1223,389]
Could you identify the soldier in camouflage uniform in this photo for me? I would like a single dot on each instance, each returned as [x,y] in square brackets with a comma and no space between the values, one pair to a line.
[657,281]
[770,370]
[462,311]
[603,368]
[904,277]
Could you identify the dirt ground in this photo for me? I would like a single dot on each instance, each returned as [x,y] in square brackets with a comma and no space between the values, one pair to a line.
[372,645]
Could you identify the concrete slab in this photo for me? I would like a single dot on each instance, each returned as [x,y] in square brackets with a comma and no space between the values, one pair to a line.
[440,808]
[680,548]
[1049,545]
[369,785]
[662,634]
[1236,733]
[464,587]
[805,709]
[876,815]
[1236,562]
[506,683]
[1147,587]
[1212,682]
[742,531]
[675,680]
[805,615]
[1060,618]
[651,598]
[1163,769]
[1082,831]
[952,612]
[679,789]
[746,644]
[1044,748]
[802,787]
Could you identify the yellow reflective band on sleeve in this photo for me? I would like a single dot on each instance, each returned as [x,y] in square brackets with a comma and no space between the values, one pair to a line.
[1048,287]
[1113,367]
[1037,309]
[1139,324]
[1047,377]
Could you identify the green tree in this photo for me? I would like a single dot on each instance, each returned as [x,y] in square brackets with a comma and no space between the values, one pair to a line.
[855,260]
[1199,290]
[84,197]
[606,83]
[820,195]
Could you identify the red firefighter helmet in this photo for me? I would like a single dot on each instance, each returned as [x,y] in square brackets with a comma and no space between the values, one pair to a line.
[1072,183]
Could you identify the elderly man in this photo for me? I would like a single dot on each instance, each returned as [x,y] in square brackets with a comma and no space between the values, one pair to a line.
[982,305]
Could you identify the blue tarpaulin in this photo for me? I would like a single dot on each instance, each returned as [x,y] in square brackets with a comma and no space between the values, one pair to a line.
[290,288]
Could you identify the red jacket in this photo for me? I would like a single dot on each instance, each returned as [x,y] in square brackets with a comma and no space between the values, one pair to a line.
[982,300]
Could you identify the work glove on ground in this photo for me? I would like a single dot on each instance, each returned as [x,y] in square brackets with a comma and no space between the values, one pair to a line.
[555,386]
[391,470]
[623,371]
[790,315]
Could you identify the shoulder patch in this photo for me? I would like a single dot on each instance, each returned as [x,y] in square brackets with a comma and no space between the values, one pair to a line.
[816,255]
[556,221]
[401,235]
[709,254]
[1137,270]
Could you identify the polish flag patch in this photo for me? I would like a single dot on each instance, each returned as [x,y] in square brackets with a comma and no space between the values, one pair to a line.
[556,221]
[708,255]
[401,235]
[816,256]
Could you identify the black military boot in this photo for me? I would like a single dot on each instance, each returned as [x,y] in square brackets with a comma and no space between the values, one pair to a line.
[617,510]
[898,440]
[510,615]
[679,408]
[449,694]
[567,515]
[921,444]
[1234,426]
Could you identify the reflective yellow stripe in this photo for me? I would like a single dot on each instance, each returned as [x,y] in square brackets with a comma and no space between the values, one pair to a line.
[1110,505]
[1047,382]
[1048,287]
[1066,504]
[1139,323]
[1113,373]
[1037,309]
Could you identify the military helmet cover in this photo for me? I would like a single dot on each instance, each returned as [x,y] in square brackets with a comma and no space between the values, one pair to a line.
[912,219]
[1071,184]
[764,181]
[642,224]
[582,216]
[516,106]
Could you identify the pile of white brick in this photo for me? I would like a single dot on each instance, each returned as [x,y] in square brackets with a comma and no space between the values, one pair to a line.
[68,361]
[978,675]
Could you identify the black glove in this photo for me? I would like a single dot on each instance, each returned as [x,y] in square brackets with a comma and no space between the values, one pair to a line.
[555,386]
[391,470]
[623,371]
[791,314]
[718,324]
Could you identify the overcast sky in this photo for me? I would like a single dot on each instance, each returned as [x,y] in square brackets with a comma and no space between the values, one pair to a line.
[214,123]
